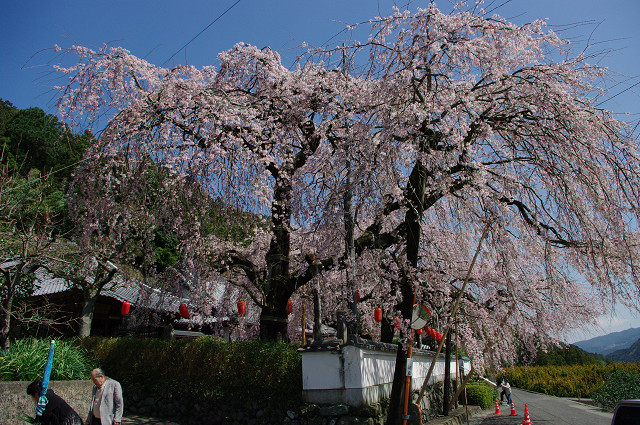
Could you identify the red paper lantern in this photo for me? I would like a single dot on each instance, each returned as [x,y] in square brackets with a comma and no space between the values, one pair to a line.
[377,315]
[430,332]
[184,312]
[125,308]
[242,308]
[438,336]
[396,323]
[419,331]
[357,296]
[289,306]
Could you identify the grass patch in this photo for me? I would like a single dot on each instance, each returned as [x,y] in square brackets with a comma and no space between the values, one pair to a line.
[25,360]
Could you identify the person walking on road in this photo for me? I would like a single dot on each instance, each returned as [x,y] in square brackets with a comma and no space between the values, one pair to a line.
[506,391]
[106,400]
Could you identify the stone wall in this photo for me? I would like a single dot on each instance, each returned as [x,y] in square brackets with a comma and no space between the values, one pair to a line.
[14,400]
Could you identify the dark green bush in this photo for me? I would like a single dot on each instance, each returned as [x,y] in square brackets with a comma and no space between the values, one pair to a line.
[203,368]
[25,360]
[618,385]
[480,395]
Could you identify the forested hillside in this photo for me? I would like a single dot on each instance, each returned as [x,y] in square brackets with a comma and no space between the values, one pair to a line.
[568,355]
[628,355]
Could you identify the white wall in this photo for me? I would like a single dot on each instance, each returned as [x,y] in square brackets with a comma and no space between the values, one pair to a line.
[358,375]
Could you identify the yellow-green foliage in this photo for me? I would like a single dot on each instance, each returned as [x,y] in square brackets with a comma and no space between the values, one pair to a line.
[202,368]
[565,381]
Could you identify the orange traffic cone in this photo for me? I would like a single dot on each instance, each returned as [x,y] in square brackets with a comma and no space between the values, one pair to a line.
[513,410]
[498,412]
[527,419]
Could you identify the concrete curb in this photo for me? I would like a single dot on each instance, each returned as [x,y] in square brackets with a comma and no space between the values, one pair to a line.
[457,416]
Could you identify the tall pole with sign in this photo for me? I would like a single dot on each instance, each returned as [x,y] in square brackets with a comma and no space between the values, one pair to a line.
[419,318]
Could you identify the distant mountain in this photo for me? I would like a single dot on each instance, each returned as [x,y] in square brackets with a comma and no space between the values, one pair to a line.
[609,343]
[628,355]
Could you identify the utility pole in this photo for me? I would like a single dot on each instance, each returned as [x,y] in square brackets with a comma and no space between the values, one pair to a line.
[447,376]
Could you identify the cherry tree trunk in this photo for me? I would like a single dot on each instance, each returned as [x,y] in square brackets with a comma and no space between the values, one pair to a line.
[413,216]
[5,321]
[273,319]
[273,326]
[86,318]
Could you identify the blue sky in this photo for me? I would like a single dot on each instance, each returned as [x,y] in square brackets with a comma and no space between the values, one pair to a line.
[157,29]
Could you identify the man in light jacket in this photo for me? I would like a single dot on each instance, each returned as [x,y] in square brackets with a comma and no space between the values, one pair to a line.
[106,400]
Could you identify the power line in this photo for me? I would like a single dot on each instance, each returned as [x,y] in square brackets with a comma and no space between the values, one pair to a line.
[205,28]
[618,94]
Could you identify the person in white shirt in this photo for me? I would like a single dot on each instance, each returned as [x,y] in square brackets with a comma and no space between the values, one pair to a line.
[106,400]
[506,391]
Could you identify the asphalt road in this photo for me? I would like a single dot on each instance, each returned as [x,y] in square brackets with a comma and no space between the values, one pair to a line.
[544,409]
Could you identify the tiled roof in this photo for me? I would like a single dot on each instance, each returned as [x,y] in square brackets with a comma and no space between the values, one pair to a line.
[135,292]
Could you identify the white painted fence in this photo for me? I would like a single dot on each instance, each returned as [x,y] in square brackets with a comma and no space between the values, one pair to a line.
[361,373]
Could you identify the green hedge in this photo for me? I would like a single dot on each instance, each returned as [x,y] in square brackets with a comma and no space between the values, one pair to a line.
[25,360]
[202,368]
[480,395]
[618,385]
[565,381]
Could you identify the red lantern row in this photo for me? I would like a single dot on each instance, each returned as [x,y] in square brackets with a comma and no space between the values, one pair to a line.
[242,307]
[377,316]
[433,333]
[184,312]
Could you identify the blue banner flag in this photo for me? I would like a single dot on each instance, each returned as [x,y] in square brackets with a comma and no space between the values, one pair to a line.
[42,401]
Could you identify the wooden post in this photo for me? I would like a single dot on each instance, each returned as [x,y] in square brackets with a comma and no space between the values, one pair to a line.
[464,383]
[317,322]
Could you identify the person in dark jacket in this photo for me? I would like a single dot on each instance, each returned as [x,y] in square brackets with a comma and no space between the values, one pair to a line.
[57,411]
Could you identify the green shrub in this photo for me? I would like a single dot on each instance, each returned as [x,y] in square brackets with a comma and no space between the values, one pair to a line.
[25,360]
[203,368]
[480,395]
[618,385]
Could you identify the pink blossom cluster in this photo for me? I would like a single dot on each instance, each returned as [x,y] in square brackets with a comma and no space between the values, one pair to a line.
[500,133]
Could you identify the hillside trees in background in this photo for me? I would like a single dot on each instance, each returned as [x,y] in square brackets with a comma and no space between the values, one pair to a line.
[37,157]
[631,354]
[33,139]
[32,211]
[567,354]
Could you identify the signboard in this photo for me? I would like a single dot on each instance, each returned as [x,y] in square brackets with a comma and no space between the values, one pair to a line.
[409,367]
[419,316]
